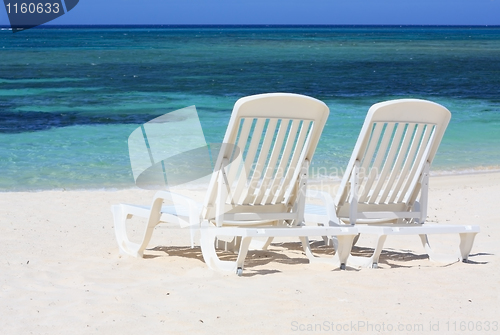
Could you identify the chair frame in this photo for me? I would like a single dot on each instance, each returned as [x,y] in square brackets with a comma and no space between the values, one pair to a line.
[263,203]
[397,144]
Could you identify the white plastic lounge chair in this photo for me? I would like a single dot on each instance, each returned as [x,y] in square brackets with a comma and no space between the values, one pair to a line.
[261,193]
[385,186]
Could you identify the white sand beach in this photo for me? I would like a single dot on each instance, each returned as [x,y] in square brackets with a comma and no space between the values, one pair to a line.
[61,273]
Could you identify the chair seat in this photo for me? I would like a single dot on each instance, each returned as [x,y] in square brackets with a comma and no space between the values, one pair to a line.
[412,229]
[286,231]
[144,211]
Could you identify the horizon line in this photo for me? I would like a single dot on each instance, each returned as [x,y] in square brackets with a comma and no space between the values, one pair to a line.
[188,25]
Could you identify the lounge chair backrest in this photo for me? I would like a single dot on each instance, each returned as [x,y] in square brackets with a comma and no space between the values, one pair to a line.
[397,143]
[269,141]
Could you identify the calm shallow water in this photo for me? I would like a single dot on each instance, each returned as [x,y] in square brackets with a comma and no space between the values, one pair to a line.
[69,98]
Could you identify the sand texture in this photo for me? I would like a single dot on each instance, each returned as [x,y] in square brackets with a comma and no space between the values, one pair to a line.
[61,273]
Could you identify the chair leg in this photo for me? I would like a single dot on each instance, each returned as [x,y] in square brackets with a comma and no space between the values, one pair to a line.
[225,243]
[261,245]
[126,247]
[372,261]
[466,242]
[378,250]
[434,257]
[307,250]
[120,216]
[240,261]
[207,242]
[343,251]
[330,241]
[355,240]
[192,231]
[344,247]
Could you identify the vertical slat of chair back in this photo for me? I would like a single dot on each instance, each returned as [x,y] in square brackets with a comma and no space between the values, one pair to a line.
[270,194]
[423,146]
[275,134]
[294,168]
[259,166]
[248,156]
[264,173]
[273,159]
[390,168]
[397,139]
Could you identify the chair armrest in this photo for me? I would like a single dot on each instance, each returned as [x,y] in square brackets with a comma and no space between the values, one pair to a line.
[179,199]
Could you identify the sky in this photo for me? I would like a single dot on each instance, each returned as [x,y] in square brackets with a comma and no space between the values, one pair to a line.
[391,12]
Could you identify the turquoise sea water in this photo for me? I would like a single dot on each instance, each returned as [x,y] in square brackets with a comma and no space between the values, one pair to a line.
[70,97]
